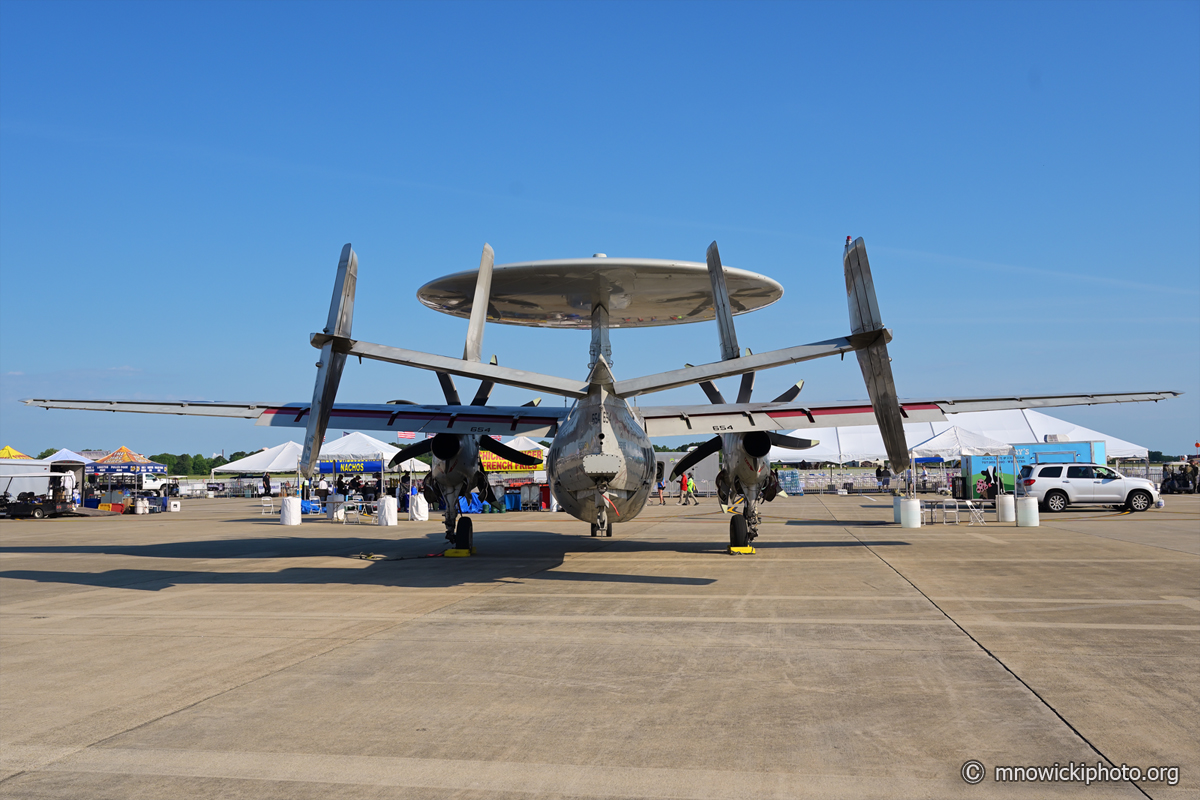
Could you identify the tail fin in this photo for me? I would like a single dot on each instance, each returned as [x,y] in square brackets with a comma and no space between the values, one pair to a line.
[329,368]
[873,360]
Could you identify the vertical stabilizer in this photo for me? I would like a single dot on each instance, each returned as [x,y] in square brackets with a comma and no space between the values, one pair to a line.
[329,367]
[873,360]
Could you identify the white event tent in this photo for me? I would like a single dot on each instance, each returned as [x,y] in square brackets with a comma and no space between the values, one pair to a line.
[1012,426]
[359,446]
[955,442]
[524,443]
[280,458]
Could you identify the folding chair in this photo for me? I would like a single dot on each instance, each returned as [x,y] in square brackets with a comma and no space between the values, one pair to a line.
[976,513]
[948,507]
[267,504]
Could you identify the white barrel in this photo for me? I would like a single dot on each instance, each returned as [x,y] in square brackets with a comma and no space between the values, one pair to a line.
[1006,507]
[174,505]
[1027,512]
[910,513]
[385,514]
[289,511]
[896,509]
[141,506]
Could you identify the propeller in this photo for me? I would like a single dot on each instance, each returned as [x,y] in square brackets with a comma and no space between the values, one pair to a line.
[790,394]
[507,453]
[791,442]
[485,389]
[696,456]
[331,363]
[412,451]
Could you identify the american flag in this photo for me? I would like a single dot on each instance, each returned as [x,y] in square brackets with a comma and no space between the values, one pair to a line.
[405,435]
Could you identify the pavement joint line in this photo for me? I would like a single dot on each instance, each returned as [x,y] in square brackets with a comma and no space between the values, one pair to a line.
[1005,667]
[1189,602]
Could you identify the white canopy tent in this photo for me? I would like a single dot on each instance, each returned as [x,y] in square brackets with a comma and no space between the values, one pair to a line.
[524,443]
[280,458]
[955,442]
[1013,426]
[358,445]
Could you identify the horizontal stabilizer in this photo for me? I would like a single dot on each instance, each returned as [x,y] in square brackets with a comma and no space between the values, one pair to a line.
[466,369]
[737,366]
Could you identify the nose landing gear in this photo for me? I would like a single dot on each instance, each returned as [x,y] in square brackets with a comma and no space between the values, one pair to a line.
[602,526]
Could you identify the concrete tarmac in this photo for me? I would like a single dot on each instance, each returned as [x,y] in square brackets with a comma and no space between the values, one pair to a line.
[217,653]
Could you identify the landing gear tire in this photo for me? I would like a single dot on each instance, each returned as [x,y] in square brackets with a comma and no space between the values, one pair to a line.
[1056,502]
[595,529]
[464,534]
[608,530]
[739,532]
[1140,501]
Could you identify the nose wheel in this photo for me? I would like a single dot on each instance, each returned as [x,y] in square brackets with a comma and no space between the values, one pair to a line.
[739,535]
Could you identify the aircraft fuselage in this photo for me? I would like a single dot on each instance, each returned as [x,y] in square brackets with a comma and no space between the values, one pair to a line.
[601,425]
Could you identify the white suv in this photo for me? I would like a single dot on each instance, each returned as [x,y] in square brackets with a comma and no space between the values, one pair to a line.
[1057,486]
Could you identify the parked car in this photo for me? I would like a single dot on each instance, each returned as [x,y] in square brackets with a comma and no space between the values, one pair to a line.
[1057,486]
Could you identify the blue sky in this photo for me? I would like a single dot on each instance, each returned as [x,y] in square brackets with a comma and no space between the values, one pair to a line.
[177,180]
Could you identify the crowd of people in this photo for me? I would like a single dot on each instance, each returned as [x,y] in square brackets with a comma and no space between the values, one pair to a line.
[1181,479]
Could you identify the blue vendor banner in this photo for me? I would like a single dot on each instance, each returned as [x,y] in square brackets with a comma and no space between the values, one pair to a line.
[355,467]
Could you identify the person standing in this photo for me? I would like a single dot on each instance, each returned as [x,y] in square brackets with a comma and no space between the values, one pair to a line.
[682,489]
[886,477]
[691,490]
[266,484]
[879,479]
[662,501]
[323,489]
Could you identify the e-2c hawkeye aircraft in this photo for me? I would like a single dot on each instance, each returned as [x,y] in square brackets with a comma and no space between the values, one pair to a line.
[601,465]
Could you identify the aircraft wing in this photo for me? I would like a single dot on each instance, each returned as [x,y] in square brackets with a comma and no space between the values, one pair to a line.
[743,417]
[497,420]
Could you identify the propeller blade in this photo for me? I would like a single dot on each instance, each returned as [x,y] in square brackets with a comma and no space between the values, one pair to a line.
[716,275]
[696,456]
[791,442]
[448,390]
[790,394]
[873,360]
[473,348]
[506,452]
[330,365]
[485,389]
[412,451]
[747,386]
[714,394]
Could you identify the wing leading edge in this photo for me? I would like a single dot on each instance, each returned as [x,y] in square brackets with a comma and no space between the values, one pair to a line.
[496,420]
